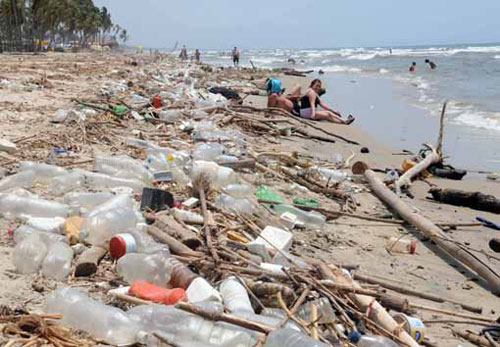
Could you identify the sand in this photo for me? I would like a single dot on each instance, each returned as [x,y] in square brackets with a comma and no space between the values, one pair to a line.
[345,240]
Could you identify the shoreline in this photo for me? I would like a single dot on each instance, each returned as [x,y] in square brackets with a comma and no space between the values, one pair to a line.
[344,240]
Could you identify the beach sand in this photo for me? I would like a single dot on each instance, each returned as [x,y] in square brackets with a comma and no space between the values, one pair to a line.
[345,240]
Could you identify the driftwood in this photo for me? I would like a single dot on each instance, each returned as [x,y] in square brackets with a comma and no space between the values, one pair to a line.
[474,200]
[239,164]
[409,291]
[406,178]
[439,149]
[377,313]
[88,261]
[473,338]
[170,226]
[433,232]
[175,246]
[267,291]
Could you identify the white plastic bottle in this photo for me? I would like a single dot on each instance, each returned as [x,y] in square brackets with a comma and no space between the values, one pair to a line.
[103,322]
[287,337]
[29,254]
[149,267]
[57,263]
[235,296]
[12,206]
[100,228]
[24,179]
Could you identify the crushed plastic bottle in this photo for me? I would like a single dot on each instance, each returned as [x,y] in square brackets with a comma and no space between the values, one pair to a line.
[65,183]
[23,179]
[57,263]
[24,231]
[29,254]
[12,206]
[99,228]
[103,322]
[241,206]
[83,202]
[44,173]
[118,201]
[148,267]
[98,180]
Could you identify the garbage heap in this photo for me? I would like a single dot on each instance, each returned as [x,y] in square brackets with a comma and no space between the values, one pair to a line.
[166,188]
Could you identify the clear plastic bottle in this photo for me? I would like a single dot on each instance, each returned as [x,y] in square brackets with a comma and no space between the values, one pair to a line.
[12,206]
[50,225]
[24,231]
[118,201]
[241,206]
[146,244]
[138,143]
[398,245]
[29,254]
[122,166]
[308,219]
[371,340]
[181,276]
[24,179]
[178,175]
[188,216]
[238,190]
[103,322]
[97,181]
[83,202]
[235,296]
[219,176]
[287,337]
[43,172]
[331,175]
[208,151]
[324,309]
[57,263]
[149,267]
[64,183]
[170,116]
[100,228]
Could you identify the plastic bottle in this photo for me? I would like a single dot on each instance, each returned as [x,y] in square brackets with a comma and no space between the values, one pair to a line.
[98,181]
[117,201]
[371,340]
[98,229]
[151,292]
[24,179]
[170,116]
[122,166]
[138,143]
[238,191]
[146,244]
[241,206]
[219,176]
[181,275]
[103,322]
[178,175]
[24,231]
[188,216]
[324,309]
[398,245]
[12,206]
[148,267]
[57,263]
[208,151]
[29,254]
[235,296]
[308,219]
[43,172]
[64,183]
[331,175]
[83,202]
[50,225]
[287,337]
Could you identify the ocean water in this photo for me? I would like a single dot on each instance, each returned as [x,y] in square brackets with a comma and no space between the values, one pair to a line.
[467,76]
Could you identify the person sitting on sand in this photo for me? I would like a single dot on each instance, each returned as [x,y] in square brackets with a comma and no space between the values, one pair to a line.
[432,64]
[310,101]
[275,97]
[412,67]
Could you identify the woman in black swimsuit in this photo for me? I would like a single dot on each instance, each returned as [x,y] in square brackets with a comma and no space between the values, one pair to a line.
[310,112]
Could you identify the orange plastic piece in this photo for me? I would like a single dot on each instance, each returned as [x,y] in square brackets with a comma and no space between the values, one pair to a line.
[152,292]
[407,164]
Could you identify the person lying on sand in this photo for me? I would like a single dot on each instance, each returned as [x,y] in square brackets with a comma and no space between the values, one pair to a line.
[310,101]
[276,98]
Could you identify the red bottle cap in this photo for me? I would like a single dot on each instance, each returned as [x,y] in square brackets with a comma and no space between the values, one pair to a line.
[121,244]
[413,247]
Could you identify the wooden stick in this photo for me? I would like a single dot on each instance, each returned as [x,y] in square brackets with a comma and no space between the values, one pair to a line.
[88,261]
[348,288]
[441,131]
[418,293]
[224,317]
[430,230]
[473,338]
[452,313]
[175,246]
[405,179]
[208,225]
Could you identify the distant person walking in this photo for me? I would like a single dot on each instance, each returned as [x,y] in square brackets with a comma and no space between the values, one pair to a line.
[197,55]
[184,53]
[412,67]
[236,56]
[432,64]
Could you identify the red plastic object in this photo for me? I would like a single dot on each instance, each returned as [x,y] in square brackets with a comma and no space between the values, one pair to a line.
[152,292]
[157,103]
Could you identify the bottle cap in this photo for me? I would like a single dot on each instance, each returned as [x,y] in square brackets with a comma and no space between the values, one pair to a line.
[122,244]
[413,247]
[354,336]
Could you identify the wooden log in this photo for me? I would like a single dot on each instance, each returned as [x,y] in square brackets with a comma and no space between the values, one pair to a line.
[224,317]
[377,313]
[452,313]
[439,149]
[474,200]
[395,303]
[430,230]
[268,291]
[176,247]
[473,338]
[409,291]
[173,228]
[406,178]
[348,288]
[240,164]
[88,261]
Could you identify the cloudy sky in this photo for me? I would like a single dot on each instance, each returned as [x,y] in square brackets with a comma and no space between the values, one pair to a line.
[305,23]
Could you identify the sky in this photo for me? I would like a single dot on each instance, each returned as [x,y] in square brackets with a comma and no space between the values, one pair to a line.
[222,24]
